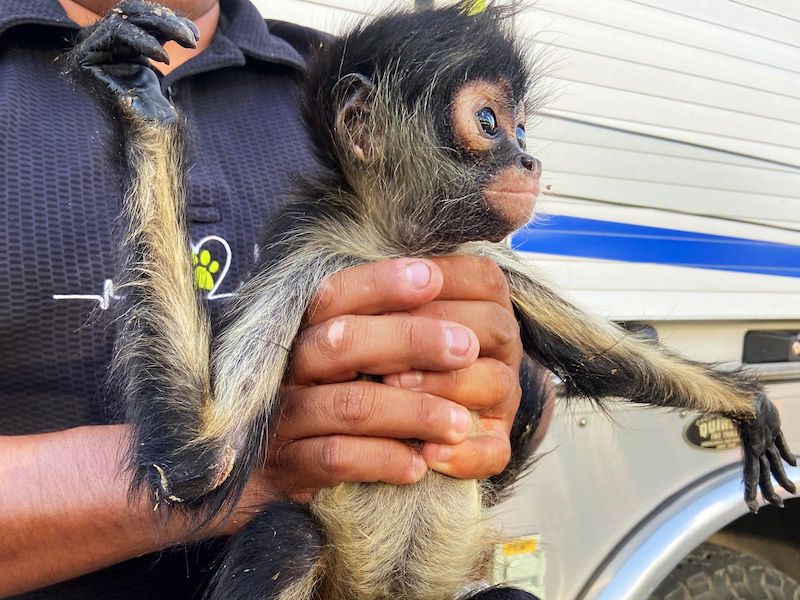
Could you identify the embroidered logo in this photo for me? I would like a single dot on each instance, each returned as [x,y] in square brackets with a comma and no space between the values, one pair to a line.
[204,269]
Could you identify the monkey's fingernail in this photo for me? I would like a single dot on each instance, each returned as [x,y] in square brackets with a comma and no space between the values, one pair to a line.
[457,340]
[410,380]
[460,418]
[418,274]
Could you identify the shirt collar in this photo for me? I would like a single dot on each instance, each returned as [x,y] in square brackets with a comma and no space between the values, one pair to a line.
[241,31]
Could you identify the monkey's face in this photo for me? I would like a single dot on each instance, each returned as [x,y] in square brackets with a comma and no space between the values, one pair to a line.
[489,128]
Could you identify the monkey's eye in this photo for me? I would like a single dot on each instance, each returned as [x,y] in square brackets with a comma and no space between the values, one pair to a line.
[521,136]
[487,121]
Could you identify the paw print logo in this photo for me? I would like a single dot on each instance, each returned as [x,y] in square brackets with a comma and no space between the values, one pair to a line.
[204,269]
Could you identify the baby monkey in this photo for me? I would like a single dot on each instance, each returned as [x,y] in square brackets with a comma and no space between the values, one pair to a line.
[418,120]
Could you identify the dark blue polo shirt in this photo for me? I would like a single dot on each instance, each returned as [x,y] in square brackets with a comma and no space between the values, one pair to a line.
[59,198]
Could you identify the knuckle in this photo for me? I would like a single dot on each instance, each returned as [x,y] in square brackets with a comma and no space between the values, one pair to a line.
[408,331]
[428,413]
[456,379]
[333,458]
[278,456]
[396,463]
[493,277]
[326,294]
[506,383]
[373,284]
[334,338]
[353,403]
[505,327]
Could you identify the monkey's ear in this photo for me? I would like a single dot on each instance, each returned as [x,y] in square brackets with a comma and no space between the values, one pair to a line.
[352,97]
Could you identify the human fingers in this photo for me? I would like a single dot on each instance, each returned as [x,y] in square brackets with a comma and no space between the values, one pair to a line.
[481,455]
[495,325]
[310,464]
[472,278]
[488,386]
[341,348]
[370,409]
[376,288]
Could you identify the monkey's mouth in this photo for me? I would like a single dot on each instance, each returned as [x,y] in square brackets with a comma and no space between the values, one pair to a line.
[514,202]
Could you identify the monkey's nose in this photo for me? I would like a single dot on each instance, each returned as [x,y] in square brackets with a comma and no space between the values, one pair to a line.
[528,163]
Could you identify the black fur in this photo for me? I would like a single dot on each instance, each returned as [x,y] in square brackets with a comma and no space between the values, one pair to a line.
[273,550]
[536,391]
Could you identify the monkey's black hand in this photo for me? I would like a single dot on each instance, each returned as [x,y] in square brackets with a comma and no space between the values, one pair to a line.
[111,58]
[764,447]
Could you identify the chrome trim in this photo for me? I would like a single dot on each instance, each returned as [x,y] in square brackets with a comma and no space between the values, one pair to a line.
[661,540]
[786,371]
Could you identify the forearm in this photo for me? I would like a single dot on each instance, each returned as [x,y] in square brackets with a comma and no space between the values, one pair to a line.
[64,509]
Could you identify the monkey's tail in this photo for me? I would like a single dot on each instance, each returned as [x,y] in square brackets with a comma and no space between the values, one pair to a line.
[597,359]
[162,354]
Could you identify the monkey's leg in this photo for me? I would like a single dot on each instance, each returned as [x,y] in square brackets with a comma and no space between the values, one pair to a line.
[161,358]
[597,359]
[275,557]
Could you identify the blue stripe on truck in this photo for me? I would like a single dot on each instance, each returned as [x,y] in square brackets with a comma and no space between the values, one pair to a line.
[610,240]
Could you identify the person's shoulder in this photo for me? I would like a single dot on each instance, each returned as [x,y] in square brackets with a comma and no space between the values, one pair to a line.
[305,40]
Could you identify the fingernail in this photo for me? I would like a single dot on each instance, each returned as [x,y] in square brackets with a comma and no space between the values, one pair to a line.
[460,418]
[457,340]
[410,380]
[420,466]
[418,274]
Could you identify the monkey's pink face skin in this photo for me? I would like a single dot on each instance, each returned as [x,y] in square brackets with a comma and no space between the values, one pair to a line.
[491,126]
[513,195]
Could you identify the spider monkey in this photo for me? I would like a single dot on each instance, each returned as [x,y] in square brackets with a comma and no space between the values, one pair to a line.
[419,124]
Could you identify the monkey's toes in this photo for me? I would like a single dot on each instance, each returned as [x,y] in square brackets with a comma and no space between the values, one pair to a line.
[188,484]
[158,21]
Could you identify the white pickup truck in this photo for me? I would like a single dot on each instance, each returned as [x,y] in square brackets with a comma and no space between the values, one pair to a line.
[617,502]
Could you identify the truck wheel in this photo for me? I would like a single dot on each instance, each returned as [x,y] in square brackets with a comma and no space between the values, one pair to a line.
[713,572]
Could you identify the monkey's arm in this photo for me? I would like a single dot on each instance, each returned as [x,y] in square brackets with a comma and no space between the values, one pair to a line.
[597,359]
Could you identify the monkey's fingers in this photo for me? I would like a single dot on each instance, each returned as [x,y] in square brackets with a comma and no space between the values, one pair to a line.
[751,481]
[125,44]
[783,448]
[776,466]
[160,22]
[765,483]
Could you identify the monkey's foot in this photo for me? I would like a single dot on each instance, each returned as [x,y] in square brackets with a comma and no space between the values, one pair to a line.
[765,449]
[111,57]
[189,483]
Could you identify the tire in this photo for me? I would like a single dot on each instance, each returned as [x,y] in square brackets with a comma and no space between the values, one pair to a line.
[713,572]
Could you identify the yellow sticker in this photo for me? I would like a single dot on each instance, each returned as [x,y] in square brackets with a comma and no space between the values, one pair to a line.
[523,546]
[520,563]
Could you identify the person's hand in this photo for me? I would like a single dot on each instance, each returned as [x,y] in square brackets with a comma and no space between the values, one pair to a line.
[442,333]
